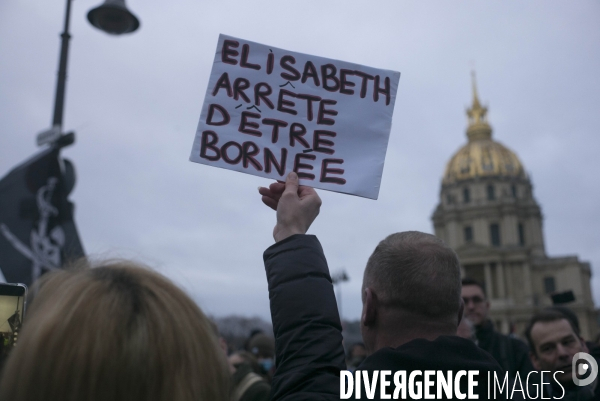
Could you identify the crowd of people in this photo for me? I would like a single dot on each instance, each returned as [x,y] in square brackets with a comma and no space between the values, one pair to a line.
[119,331]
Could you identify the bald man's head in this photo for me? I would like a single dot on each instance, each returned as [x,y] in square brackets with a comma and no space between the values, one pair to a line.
[415,272]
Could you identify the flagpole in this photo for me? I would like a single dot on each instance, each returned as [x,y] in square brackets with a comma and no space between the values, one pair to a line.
[112,17]
[59,100]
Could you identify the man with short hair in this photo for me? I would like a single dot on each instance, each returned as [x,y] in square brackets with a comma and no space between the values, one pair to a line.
[511,353]
[554,341]
[424,291]
[411,308]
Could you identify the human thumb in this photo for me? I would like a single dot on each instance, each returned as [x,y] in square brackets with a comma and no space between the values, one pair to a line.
[291,183]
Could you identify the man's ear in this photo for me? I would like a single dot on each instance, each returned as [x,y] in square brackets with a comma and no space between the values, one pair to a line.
[535,361]
[369,316]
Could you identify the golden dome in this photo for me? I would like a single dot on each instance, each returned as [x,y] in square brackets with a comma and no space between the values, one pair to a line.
[482,156]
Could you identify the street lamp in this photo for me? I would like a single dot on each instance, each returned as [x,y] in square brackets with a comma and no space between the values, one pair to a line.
[112,17]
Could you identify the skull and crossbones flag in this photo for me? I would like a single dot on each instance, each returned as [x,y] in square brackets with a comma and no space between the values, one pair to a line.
[37,231]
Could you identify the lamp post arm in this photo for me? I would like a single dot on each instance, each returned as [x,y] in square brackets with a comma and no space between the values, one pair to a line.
[62,72]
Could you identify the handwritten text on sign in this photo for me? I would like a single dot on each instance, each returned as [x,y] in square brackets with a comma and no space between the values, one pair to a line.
[269,111]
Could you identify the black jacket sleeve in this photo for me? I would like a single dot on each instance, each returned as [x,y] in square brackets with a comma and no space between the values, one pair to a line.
[523,364]
[308,334]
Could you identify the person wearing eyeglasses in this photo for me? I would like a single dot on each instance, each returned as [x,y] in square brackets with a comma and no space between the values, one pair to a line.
[511,353]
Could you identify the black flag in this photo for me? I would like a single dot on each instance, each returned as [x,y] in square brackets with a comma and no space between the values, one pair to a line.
[37,232]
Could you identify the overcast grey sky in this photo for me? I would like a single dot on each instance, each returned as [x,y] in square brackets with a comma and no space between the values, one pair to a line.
[134,102]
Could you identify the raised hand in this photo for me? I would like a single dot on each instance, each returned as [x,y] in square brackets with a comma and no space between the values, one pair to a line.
[296,206]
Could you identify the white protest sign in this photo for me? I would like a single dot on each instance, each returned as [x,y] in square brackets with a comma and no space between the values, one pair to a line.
[270,111]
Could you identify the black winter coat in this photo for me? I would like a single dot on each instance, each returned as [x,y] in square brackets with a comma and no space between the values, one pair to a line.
[511,353]
[308,338]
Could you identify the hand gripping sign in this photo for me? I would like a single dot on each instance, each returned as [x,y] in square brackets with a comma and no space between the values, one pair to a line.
[270,111]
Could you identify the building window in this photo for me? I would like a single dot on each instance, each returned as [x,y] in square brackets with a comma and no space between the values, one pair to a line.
[468,234]
[549,285]
[491,193]
[466,195]
[476,272]
[521,234]
[513,189]
[449,199]
[495,234]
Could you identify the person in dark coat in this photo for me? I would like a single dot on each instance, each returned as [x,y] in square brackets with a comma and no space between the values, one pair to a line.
[592,347]
[411,308]
[555,341]
[248,383]
[511,353]
[263,348]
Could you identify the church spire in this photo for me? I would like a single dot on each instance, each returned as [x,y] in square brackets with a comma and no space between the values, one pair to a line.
[476,103]
[478,125]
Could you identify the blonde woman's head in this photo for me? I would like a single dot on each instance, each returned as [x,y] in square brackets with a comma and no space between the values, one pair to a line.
[114,332]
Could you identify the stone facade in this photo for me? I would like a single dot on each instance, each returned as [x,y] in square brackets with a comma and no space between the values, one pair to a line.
[488,214]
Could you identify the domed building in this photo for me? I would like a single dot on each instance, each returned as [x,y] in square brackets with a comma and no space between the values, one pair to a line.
[488,214]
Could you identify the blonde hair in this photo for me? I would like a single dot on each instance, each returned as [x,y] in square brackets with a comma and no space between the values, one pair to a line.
[114,332]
